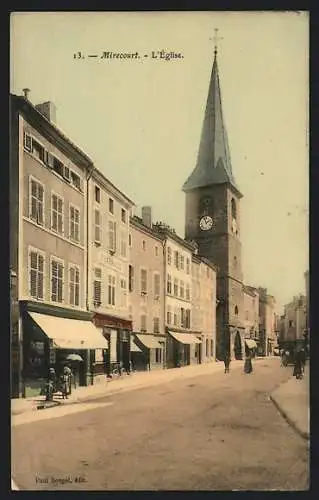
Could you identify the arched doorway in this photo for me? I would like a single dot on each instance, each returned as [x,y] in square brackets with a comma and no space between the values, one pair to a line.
[238,347]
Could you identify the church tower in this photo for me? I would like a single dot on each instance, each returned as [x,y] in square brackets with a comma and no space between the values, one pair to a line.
[213,220]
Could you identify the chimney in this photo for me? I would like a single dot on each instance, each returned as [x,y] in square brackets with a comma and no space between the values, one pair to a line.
[48,110]
[147,216]
[26,93]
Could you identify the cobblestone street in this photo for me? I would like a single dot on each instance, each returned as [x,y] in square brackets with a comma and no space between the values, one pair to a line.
[212,432]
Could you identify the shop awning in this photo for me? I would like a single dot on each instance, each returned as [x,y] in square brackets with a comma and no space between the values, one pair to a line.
[150,341]
[70,333]
[185,338]
[251,344]
[134,347]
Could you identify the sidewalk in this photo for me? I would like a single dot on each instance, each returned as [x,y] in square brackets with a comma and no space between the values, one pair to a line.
[125,383]
[292,400]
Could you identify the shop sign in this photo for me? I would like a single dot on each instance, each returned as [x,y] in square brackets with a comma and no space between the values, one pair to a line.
[38,347]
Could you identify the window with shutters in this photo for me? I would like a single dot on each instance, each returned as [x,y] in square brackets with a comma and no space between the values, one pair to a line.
[111,290]
[187,266]
[183,322]
[74,216]
[143,323]
[57,280]
[112,236]
[181,289]
[36,201]
[188,294]
[97,287]
[130,240]
[75,180]
[97,192]
[176,287]
[27,143]
[182,262]
[123,215]
[111,206]
[130,278]
[143,281]
[74,285]
[57,213]
[123,244]
[169,315]
[175,317]
[176,259]
[97,227]
[38,150]
[187,318]
[169,256]
[169,284]
[36,274]
[156,325]
[58,166]
[157,285]
[123,292]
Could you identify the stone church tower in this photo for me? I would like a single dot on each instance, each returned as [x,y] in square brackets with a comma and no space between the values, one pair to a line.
[213,221]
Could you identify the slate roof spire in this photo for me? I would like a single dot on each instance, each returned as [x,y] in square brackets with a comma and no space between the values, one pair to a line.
[213,164]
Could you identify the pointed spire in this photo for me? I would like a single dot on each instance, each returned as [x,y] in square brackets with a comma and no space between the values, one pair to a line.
[213,164]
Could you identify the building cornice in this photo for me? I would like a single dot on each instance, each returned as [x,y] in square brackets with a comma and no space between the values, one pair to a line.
[138,224]
[50,131]
[98,176]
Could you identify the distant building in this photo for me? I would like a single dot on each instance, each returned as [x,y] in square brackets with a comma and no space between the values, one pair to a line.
[204,305]
[267,326]
[251,312]
[295,319]
[146,293]
[182,346]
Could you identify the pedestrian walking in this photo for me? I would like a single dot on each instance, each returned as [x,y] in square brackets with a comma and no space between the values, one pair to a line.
[248,367]
[303,359]
[67,371]
[298,365]
[227,362]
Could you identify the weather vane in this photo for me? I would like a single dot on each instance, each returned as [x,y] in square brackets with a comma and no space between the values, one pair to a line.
[216,40]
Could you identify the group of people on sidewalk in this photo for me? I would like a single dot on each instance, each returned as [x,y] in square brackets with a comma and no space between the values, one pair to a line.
[297,358]
[248,367]
[62,384]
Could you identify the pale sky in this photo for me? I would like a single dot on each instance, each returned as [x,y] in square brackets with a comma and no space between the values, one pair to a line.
[140,120]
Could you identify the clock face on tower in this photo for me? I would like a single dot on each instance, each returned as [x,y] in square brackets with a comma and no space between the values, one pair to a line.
[206,223]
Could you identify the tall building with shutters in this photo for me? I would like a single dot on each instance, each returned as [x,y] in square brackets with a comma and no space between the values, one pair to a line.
[109,212]
[48,231]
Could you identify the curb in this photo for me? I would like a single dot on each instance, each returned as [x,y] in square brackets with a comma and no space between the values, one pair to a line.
[303,434]
[116,390]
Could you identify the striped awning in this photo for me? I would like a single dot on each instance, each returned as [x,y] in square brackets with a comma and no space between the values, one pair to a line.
[185,338]
[149,341]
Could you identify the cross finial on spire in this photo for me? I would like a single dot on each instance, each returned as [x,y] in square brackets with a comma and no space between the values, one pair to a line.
[216,39]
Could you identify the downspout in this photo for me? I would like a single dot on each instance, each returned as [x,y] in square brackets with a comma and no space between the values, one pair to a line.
[88,356]
[87,236]
[165,290]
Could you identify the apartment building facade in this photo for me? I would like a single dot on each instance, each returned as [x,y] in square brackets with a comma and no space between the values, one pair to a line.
[182,346]
[204,306]
[146,294]
[109,213]
[48,185]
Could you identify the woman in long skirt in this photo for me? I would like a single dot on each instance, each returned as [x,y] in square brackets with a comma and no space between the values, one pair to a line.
[248,367]
[298,372]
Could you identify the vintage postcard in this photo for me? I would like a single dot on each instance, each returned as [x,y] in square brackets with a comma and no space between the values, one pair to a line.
[159,251]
